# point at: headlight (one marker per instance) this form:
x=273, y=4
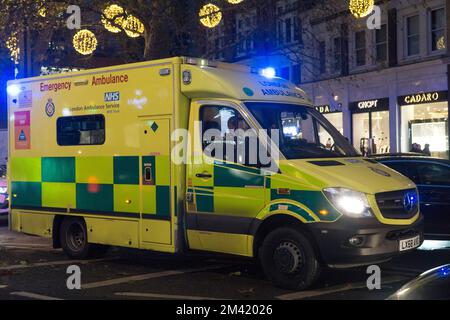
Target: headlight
x=3, y=189
x=349, y=202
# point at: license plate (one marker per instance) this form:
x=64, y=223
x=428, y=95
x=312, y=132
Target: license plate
x=2, y=198
x=409, y=244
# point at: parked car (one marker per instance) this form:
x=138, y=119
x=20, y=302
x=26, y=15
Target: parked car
x=3, y=192
x=432, y=177
x=431, y=285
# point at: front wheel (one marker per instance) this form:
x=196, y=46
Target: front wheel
x=289, y=260
x=74, y=240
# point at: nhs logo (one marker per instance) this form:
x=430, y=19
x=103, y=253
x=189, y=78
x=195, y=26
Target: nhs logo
x=112, y=96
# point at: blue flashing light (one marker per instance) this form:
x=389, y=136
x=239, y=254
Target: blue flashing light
x=269, y=72
x=13, y=90
x=445, y=271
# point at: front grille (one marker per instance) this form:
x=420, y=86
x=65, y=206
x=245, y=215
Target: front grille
x=394, y=205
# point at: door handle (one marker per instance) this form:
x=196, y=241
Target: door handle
x=204, y=175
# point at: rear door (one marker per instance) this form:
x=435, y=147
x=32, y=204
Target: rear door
x=156, y=187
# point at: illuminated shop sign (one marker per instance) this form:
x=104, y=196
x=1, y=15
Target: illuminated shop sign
x=425, y=97
x=370, y=105
x=329, y=109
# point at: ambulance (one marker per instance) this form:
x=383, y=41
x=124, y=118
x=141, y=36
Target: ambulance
x=122, y=156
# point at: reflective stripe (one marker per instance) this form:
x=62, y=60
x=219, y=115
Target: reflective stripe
x=221, y=223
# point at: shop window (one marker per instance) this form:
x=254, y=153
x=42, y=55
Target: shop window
x=381, y=44
x=412, y=35
x=371, y=132
x=360, y=48
x=425, y=124
x=336, y=119
x=438, y=26
x=81, y=130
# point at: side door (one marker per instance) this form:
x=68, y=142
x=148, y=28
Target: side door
x=434, y=188
x=223, y=195
x=155, y=182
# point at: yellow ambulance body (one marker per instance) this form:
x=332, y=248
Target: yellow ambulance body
x=91, y=164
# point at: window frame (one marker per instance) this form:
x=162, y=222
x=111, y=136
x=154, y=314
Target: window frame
x=358, y=49
x=430, y=30
x=80, y=144
x=408, y=36
x=385, y=43
x=337, y=54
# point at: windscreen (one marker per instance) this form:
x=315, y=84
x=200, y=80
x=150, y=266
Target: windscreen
x=303, y=132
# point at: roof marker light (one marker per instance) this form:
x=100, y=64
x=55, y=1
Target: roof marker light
x=268, y=72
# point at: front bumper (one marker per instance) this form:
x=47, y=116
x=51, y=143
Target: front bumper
x=380, y=241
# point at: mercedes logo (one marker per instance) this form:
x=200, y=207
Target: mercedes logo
x=409, y=202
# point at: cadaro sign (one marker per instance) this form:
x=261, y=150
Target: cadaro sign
x=426, y=97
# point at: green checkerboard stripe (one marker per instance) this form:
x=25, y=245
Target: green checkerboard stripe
x=58, y=169
x=91, y=184
x=27, y=194
x=126, y=170
x=314, y=200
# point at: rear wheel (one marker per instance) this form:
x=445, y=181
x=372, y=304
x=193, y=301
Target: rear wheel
x=74, y=240
x=289, y=260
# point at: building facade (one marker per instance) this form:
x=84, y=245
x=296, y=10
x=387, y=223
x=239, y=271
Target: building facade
x=384, y=88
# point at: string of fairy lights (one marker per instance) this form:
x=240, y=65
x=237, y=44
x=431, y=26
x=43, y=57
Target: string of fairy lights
x=115, y=19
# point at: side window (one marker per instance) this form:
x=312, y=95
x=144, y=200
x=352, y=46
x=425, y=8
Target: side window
x=219, y=126
x=434, y=174
x=405, y=169
x=81, y=130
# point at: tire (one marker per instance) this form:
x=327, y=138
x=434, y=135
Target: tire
x=74, y=240
x=289, y=260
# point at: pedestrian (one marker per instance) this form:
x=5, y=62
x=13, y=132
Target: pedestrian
x=426, y=151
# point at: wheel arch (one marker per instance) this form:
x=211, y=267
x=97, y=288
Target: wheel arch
x=278, y=220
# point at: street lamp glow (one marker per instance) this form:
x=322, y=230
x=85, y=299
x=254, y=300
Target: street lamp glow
x=13, y=90
x=268, y=72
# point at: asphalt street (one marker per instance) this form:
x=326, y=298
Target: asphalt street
x=31, y=269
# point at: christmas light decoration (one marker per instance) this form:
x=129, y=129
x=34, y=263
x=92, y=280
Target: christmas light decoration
x=85, y=42
x=235, y=1
x=133, y=26
x=114, y=14
x=361, y=8
x=13, y=46
x=210, y=15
